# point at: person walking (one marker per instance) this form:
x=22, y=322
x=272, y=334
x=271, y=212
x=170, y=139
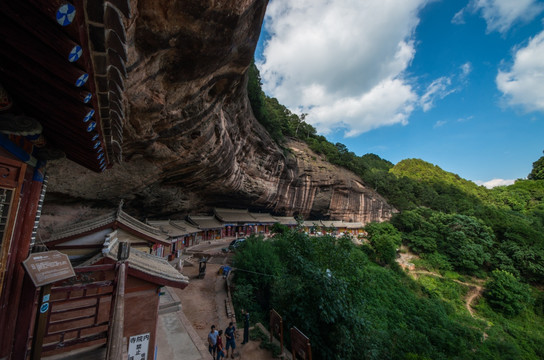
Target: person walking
x=246, y=327
x=231, y=342
x=212, y=341
x=219, y=346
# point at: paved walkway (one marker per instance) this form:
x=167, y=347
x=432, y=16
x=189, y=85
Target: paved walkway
x=184, y=339
x=176, y=338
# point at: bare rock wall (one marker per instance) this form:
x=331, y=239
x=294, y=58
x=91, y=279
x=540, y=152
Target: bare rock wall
x=191, y=141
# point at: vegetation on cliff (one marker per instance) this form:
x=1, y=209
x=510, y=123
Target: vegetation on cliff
x=468, y=240
x=433, y=202
x=353, y=308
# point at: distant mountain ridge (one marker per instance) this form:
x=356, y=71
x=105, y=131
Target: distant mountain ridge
x=421, y=170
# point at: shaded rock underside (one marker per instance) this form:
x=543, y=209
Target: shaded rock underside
x=191, y=142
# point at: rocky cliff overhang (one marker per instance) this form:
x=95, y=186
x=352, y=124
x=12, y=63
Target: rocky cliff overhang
x=191, y=142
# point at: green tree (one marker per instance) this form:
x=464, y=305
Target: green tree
x=278, y=228
x=385, y=249
x=465, y=240
x=538, y=170
x=507, y=294
x=385, y=239
x=257, y=264
x=386, y=229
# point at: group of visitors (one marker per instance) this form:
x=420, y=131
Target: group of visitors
x=215, y=339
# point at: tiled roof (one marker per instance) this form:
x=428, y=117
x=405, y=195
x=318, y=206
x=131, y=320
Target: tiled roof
x=353, y=225
x=332, y=223
x=234, y=216
x=286, y=220
x=82, y=227
x=205, y=222
x=119, y=217
x=184, y=226
x=263, y=218
x=141, y=227
x=166, y=227
x=311, y=223
x=160, y=271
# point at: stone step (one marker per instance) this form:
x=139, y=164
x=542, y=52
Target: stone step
x=168, y=302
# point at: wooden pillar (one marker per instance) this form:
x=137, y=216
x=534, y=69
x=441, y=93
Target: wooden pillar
x=25, y=321
x=41, y=322
x=20, y=247
x=115, y=336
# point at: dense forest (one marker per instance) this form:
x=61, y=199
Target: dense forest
x=354, y=301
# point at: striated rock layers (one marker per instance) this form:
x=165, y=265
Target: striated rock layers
x=191, y=142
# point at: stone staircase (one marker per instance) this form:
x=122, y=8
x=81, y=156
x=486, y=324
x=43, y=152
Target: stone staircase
x=168, y=302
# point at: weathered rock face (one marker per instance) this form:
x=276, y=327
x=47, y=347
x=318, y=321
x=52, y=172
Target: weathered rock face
x=321, y=190
x=191, y=141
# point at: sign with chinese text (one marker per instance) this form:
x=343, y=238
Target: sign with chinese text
x=48, y=267
x=138, y=346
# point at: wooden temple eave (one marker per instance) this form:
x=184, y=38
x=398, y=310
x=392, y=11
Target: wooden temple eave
x=156, y=278
x=114, y=220
x=53, y=244
x=63, y=64
x=143, y=273
x=142, y=265
x=185, y=226
x=81, y=229
x=142, y=234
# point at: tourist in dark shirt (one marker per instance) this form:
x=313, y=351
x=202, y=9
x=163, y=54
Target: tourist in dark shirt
x=246, y=326
x=229, y=336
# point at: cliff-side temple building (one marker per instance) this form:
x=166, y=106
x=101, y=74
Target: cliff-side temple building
x=62, y=73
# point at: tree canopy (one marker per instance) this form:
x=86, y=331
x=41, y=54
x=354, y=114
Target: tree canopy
x=342, y=295
x=538, y=170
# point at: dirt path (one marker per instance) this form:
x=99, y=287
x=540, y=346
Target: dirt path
x=203, y=303
x=474, y=293
x=475, y=288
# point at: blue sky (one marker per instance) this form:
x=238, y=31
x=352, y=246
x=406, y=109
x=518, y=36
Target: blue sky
x=456, y=83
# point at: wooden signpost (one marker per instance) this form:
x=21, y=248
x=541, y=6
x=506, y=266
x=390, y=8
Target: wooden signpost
x=48, y=267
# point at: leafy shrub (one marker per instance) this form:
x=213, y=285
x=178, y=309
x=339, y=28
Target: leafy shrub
x=384, y=239
x=437, y=261
x=506, y=294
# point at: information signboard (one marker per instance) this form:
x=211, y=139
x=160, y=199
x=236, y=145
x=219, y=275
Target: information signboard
x=138, y=346
x=48, y=267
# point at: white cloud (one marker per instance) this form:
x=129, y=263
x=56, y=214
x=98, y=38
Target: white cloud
x=440, y=123
x=342, y=62
x=388, y=103
x=523, y=84
x=465, y=119
x=466, y=69
x=438, y=89
x=500, y=15
x=495, y=182
x=459, y=17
